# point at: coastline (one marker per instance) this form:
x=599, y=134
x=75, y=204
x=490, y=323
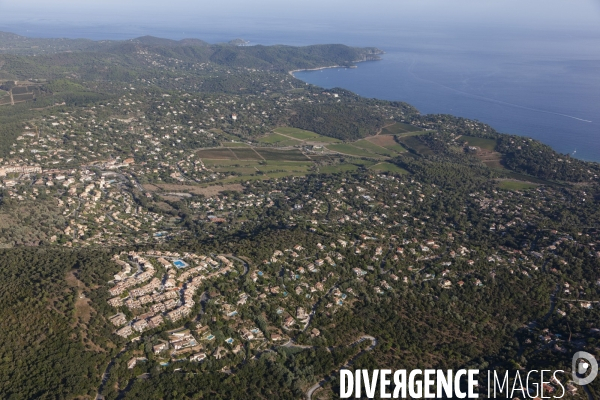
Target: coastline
x=328, y=67
x=527, y=122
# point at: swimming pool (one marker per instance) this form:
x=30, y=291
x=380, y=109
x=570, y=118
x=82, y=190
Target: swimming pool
x=179, y=264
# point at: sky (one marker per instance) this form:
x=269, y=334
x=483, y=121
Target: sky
x=301, y=15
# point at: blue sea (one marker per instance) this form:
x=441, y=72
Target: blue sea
x=544, y=85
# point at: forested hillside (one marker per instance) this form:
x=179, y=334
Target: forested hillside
x=184, y=220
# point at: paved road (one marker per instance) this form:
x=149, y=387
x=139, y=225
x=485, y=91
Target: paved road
x=106, y=374
x=349, y=363
x=244, y=263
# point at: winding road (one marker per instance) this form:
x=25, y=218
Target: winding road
x=106, y=374
x=245, y=264
x=313, y=388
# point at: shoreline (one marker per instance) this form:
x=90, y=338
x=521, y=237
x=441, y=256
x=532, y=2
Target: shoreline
x=328, y=67
x=586, y=158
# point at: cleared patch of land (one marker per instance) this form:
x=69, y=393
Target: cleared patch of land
x=287, y=136
x=234, y=144
x=196, y=189
x=389, y=167
x=414, y=143
x=516, y=185
x=281, y=155
x=246, y=154
x=346, y=148
x=487, y=144
x=332, y=169
x=296, y=133
x=399, y=128
x=373, y=148
x=486, y=152
x=279, y=140
x=218, y=154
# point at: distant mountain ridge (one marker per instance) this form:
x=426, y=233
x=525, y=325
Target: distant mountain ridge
x=194, y=50
x=26, y=58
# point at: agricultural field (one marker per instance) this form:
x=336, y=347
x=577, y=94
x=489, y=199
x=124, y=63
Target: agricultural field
x=370, y=147
x=413, y=142
x=486, y=144
x=373, y=148
x=302, y=135
x=216, y=153
x=246, y=154
x=399, y=128
x=516, y=185
x=210, y=163
x=296, y=133
x=249, y=153
x=234, y=144
x=285, y=166
x=23, y=97
x=389, y=167
x=281, y=155
x=387, y=141
x=349, y=149
x=278, y=140
x=332, y=169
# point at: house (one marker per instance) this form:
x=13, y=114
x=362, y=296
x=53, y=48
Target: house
x=118, y=319
x=301, y=313
x=198, y=357
x=140, y=326
x=246, y=334
x=160, y=348
x=220, y=352
x=289, y=321
x=125, y=331
x=133, y=362
x=187, y=341
x=155, y=321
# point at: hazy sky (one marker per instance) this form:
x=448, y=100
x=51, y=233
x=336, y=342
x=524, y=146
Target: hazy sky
x=241, y=15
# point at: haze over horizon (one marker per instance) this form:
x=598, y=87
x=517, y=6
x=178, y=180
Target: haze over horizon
x=70, y=18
